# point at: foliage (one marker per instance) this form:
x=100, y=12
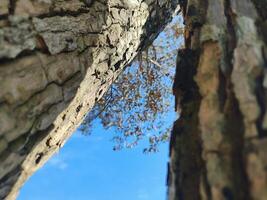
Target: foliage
x=138, y=103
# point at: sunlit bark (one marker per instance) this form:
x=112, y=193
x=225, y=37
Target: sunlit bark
x=57, y=58
x=219, y=144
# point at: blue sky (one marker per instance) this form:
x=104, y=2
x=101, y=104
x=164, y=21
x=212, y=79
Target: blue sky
x=86, y=168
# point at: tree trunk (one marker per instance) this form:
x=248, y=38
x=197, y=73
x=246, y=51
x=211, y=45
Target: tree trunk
x=219, y=144
x=57, y=58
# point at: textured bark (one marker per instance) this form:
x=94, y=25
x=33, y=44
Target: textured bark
x=219, y=143
x=57, y=58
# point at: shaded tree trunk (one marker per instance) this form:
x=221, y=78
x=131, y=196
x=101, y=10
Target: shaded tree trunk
x=57, y=58
x=219, y=144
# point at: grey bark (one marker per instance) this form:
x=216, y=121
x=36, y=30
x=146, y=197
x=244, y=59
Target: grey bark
x=57, y=58
x=219, y=143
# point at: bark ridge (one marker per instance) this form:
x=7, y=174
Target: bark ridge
x=218, y=145
x=57, y=58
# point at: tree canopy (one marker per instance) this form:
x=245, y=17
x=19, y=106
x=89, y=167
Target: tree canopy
x=139, y=104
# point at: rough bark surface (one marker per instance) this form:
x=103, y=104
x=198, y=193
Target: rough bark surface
x=219, y=143
x=57, y=58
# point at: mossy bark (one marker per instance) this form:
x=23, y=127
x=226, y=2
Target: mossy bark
x=219, y=143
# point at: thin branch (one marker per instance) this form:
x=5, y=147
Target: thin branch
x=110, y=99
x=153, y=61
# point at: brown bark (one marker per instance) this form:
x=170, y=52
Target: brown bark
x=219, y=144
x=57, y=58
